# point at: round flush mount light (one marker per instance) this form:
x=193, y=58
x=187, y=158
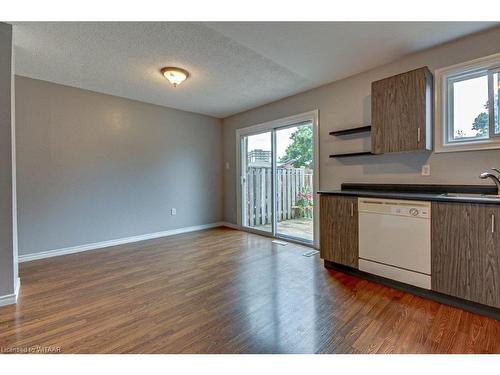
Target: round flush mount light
x=175, y=75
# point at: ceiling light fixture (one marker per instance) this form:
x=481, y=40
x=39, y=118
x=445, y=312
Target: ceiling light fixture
x=175, y=75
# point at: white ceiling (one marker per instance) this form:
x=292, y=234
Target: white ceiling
x=234, y=66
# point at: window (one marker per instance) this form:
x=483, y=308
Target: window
x=467, y=98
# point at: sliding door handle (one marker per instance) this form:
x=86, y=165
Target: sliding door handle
x=352, y=209
x=492, y=223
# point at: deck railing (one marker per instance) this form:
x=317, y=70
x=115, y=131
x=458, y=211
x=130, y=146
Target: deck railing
x=290, y=181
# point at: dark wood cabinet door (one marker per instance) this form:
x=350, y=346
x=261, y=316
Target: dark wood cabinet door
x=484, y=270
x=339, y=229
x=466, y=251
x=402, y=112
x=450, y=248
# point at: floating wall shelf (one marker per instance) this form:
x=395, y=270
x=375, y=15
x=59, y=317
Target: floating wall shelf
x=349, y=154
x=360, y=129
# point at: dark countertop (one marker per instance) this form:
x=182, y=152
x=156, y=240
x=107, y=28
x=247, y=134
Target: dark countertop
x=419, y=192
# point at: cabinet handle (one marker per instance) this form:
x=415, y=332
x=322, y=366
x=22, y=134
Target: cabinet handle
x=352, y=209
x=418, y=135
x=492, y=223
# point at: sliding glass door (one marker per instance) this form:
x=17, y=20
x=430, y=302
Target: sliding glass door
x=277, y=181
x=294, y=182
x=257, y=181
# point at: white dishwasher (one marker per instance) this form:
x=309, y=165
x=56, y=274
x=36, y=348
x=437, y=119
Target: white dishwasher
x=395, y=240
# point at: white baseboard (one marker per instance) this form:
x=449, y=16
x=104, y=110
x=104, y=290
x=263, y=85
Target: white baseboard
x=230, y=225
x=120, y=241
x=11, y=299
x=8, y=299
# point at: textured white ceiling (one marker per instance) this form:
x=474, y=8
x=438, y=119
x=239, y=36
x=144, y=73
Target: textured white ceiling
x=234, y=66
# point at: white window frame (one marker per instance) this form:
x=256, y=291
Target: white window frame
x=442, y=124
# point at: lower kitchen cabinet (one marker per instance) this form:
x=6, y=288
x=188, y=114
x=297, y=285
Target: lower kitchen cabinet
x=466, y=251
x=339, y=229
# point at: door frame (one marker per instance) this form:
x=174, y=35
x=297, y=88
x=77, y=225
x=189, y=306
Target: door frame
x=312, y=116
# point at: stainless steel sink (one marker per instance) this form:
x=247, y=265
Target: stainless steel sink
x=471, y=195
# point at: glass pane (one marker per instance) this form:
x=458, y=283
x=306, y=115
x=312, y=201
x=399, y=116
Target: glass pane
x=470, y=109
x=496, y=100
x=294, y=182
x=257, y=181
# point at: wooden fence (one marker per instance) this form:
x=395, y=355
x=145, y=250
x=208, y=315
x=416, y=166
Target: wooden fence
x=289, y=183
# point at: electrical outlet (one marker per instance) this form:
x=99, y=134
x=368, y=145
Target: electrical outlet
x=426, y=170
x=173, y=211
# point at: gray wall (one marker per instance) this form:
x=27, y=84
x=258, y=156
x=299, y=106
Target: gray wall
x=8, y=266
x=93, y=167
x=346, y=103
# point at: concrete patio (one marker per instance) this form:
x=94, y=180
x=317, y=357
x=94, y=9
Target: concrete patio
x=299, y=228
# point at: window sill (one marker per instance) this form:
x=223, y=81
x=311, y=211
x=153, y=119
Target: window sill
x=476, y=146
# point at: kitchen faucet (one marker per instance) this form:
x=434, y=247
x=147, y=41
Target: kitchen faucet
x=495, y=178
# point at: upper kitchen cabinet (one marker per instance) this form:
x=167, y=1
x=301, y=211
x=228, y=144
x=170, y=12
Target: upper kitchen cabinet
x=402, y=112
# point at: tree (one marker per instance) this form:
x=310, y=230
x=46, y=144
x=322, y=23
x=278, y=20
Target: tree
x=481, y=123
x=300, y=151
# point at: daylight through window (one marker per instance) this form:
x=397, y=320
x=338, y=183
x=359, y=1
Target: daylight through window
x=472, y=104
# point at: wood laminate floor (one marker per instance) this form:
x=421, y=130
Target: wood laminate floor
x=225, y=291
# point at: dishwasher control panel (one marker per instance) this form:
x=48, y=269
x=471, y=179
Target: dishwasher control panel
x=410, y=211
x=417, y=209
